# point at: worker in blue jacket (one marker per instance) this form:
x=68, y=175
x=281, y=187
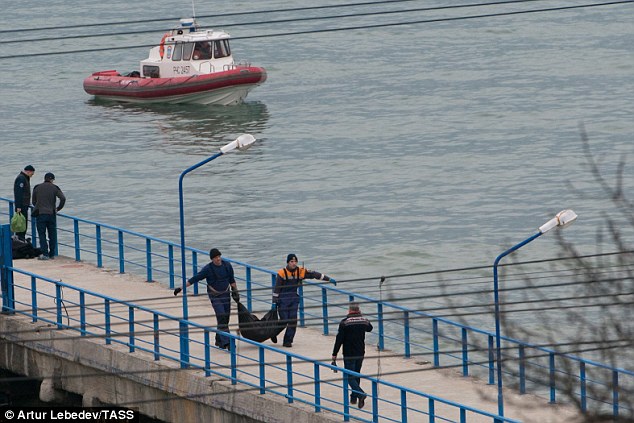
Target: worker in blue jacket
x=219, y=276
x=286, y=294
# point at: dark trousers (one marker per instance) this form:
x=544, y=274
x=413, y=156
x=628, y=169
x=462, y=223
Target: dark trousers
x=288, y=314
x=354, y=364
x=222, y=307
x=47, y=223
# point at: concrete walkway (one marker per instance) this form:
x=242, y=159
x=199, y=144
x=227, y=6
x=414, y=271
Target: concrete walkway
x=448, y=384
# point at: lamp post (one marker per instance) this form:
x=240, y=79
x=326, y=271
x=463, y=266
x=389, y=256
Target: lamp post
x=241, y=143
x=562, y=219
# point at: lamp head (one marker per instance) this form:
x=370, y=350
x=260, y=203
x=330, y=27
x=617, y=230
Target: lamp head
x=563, y=218
x=243, y=142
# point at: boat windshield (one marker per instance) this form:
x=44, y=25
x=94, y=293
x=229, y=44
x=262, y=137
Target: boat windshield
x=182, y=51
x=221, y=49
x=202, y=50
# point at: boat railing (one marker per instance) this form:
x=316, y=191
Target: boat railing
x=240, y=64
x=206, y=67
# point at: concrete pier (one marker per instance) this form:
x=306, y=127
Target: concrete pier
x=110, y=374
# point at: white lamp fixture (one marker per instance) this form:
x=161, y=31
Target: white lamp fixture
x=243, y=142
x=563, y=218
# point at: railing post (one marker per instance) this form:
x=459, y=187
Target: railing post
x=262, y=372
x=82, y=312
x=491, y=362
x=615, y=394
x=170, y=264
x=195, y=269
x=76, y=233
x=465, y=353
x=346, y=397
x=106, y=310
x=302, y=322
x=131, y=328
x=582, y=388
x=208, y=355
x=34, y=298
x=436, y=344
x=157, y=339
x=375, y=401
x=184, y=343
x=289, y=378
x=403, y=406
x=317, y=387
x=248, y=287
x=234, y=360
x=121, y=254
x=6, y=276
x=432, y=410
x=406, y=340
x=148, y=258
x=381, y=327
x=98, y=246
x=552, y=377
x=324, y=309
x=58, y=304
x=522, y=362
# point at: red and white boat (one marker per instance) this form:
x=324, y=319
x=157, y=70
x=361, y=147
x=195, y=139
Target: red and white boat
x=190, y=65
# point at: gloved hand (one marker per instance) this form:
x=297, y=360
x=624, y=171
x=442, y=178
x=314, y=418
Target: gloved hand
x=332, y=281
x=274, y=306
x=235, y=295
x=177, y=290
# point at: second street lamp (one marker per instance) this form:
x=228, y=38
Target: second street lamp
x=561, y=219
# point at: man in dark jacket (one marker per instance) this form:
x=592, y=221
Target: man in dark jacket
x=351, y=335
x=286, y=294
x=45, y=197
x=22, y=195
x=219, y=275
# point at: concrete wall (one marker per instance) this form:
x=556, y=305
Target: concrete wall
x=107, y=374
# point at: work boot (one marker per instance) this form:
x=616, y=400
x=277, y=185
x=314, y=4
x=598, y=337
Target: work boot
x=361, y=402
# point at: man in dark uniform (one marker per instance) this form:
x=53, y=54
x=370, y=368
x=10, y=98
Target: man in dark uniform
x=219, y=276
x=351, y=335
x=286, y=294
x=45, y=197
x=22, y=195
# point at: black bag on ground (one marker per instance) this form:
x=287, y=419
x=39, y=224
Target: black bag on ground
x=259, y=330
x=23, y=249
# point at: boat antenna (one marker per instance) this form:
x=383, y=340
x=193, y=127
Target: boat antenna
x=193, y=10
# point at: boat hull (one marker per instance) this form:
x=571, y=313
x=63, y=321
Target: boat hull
x=223, y=88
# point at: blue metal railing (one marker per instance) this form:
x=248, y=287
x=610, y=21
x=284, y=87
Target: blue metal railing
x=416, y=333
x=273, y=371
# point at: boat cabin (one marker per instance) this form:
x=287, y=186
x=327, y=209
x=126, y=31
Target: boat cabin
x=188, y=51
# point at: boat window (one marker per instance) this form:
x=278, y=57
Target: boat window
x=151, y=71
x=187, y=50
x=202, y=50
x=178, y=50
x=221, y=49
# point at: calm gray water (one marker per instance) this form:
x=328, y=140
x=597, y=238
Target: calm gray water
x=392, y=150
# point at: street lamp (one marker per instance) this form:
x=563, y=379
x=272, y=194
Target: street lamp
x=241, y=143
x=562, y=219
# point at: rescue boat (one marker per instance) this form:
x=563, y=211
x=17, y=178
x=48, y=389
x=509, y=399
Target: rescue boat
x=190, y=65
